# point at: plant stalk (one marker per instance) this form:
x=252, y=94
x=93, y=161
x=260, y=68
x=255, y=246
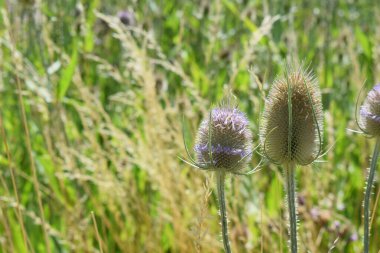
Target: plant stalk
x=290, y=189
x=223, y=212
x=367, y=197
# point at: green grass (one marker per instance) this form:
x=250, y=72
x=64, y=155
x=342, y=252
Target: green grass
x=104, y=104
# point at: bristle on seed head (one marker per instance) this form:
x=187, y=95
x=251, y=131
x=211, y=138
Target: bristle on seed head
x=224, y=138
x=370, y=112
x=292, y=121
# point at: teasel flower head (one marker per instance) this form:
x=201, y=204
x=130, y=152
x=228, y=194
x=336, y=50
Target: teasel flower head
x=291, y=129
x=370, y=113
x=223, y=144
x=224, y=139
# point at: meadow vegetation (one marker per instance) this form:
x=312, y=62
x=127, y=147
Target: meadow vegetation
x=92, y=99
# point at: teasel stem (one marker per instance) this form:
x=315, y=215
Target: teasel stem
x=367, y=197
x=222, y=209
x=290, y=188
x=290, y=178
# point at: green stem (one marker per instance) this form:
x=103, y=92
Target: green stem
x=292, y=207
x=367, y=197
x=223, y=213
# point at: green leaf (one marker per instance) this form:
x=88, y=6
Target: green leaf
x=68, y=73
x=248, y=23
x=364, y=42
x=90, y=21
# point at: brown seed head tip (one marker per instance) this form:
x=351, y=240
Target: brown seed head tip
x=224, y=139
x=370, y=112
x=293, y=137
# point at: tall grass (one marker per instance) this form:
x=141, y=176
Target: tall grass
x=103, y=105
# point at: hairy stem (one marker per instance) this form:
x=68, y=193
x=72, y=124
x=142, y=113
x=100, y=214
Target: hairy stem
x=367, y=197
x=290, y=188
x=223, y=212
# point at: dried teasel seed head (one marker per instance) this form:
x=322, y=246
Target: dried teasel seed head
x=293, y=137
x=224, y=139
x=370, y=112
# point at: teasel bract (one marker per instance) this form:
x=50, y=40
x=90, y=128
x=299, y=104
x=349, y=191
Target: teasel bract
x=223, y=145
x=291, y=130
x=369, y=123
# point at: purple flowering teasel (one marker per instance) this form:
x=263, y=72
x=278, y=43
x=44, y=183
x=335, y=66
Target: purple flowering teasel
x=369, y=123
x=370, y=113
x=223, y=145
x=224, y=140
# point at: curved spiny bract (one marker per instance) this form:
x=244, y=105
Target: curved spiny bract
x=293, y=138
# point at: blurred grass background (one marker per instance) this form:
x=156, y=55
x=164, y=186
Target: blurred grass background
x=92, y=98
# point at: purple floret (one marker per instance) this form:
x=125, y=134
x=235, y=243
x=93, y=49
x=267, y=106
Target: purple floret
x=219, y=149
x=377, y=88
x=232, y=117
x=366, y=114
x=354, y=237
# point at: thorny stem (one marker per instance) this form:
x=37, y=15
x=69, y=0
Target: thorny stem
x=290, y=188
x=222, y=208
x=367, y=197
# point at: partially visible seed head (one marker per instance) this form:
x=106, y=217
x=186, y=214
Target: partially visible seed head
x=370, y=112
x=228, y=130
x=127, y=17
x=293, y=137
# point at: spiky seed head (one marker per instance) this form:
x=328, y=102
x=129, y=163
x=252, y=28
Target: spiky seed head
x=225, y=137
x=293, y=137
x=370, y=112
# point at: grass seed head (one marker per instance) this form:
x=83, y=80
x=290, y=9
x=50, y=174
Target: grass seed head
x=370, y=112
x=293, y=137
x=224, y=134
